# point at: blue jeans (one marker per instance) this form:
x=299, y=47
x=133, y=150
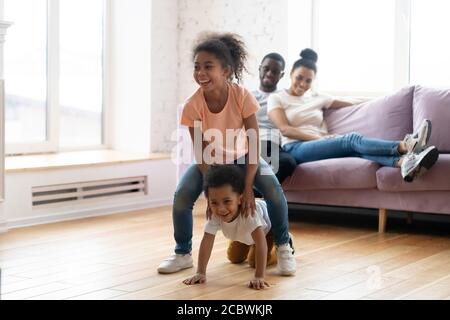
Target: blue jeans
x=190, y=187
x=350, y=145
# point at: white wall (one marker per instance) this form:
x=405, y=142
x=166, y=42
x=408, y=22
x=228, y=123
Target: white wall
x=299, y=29
x=130, y=75
x=143, y=64
x=262, y=24
x=164, y=74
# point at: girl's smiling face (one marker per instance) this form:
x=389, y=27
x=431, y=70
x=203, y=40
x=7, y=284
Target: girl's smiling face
x=209, y=72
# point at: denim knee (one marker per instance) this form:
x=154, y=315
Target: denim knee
x=353, y=136
x=351, y=139
x=275, y=194
x=182, y=200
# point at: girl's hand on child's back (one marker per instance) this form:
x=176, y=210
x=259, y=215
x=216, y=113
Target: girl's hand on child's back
x=208, y=212
x=195, y=279
x=258, y=284
x=248, y=203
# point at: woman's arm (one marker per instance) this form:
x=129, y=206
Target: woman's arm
x=279, y=119
x=338, y=104
x=252, y=130
x=260, y=259
x=203, y=257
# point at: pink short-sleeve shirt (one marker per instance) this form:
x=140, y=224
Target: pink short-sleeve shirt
x=224, y=130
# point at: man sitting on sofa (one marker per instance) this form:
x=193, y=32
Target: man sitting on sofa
x=271, y=71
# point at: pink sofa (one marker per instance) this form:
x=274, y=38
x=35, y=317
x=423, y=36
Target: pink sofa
x=356, y=182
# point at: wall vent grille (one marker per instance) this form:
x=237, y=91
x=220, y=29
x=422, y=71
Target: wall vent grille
x=67, y=193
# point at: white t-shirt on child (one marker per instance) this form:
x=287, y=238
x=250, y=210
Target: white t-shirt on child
x=241, y=228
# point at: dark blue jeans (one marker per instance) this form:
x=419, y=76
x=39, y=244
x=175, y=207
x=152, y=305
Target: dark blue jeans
x=190, y=187
x=282, y=162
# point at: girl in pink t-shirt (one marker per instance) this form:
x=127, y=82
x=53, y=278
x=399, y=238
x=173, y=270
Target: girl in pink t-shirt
x=223, y=127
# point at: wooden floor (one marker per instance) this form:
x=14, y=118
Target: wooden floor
x=115, y=257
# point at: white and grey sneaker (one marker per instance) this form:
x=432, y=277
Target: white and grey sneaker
x=414, y=165
x=417, y=142
x=286, y=264
x=176, y=263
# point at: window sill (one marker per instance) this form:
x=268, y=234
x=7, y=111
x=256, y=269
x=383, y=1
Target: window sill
x=76, y=160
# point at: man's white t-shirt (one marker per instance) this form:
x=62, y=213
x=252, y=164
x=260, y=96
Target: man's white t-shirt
x=267, y=130
x=241, y=228
x=305, y=112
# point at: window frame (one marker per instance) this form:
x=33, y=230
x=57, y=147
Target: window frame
x=51, y=144
x=402, y=36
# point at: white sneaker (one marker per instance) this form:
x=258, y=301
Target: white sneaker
x=176, y=263
x=286, y=263
x=417, y=142
x=414, y=165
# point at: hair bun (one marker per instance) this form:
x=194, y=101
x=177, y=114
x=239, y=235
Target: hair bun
x=309, y=54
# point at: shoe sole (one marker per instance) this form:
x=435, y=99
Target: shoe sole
x=421, y=172
x=286, y=273
x=165, y=271
x=427, y=138
x=428, y=132
x=424, y=165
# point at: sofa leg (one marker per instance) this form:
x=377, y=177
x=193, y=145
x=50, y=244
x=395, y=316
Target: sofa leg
x=409, y=217
x=382, y=217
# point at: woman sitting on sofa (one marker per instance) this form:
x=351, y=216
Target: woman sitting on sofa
x=299, y=117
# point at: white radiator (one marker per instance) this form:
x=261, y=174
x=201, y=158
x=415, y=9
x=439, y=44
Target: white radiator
x=82, y=191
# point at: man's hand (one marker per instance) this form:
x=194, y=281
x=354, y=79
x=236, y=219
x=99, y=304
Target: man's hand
x=195, y=279
x=258, y=284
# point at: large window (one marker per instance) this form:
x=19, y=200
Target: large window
x=372, y=47
x=355, y=42
x=25, y=67
x=81, y=82
x=54, y=75
x=430, y=51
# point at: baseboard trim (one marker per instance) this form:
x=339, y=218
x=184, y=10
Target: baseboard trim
x=84, y=213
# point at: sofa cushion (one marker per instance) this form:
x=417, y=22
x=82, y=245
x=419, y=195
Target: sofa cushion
x=388, y=117
x=433, y=104
x=343, y=173
x=436, y=179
